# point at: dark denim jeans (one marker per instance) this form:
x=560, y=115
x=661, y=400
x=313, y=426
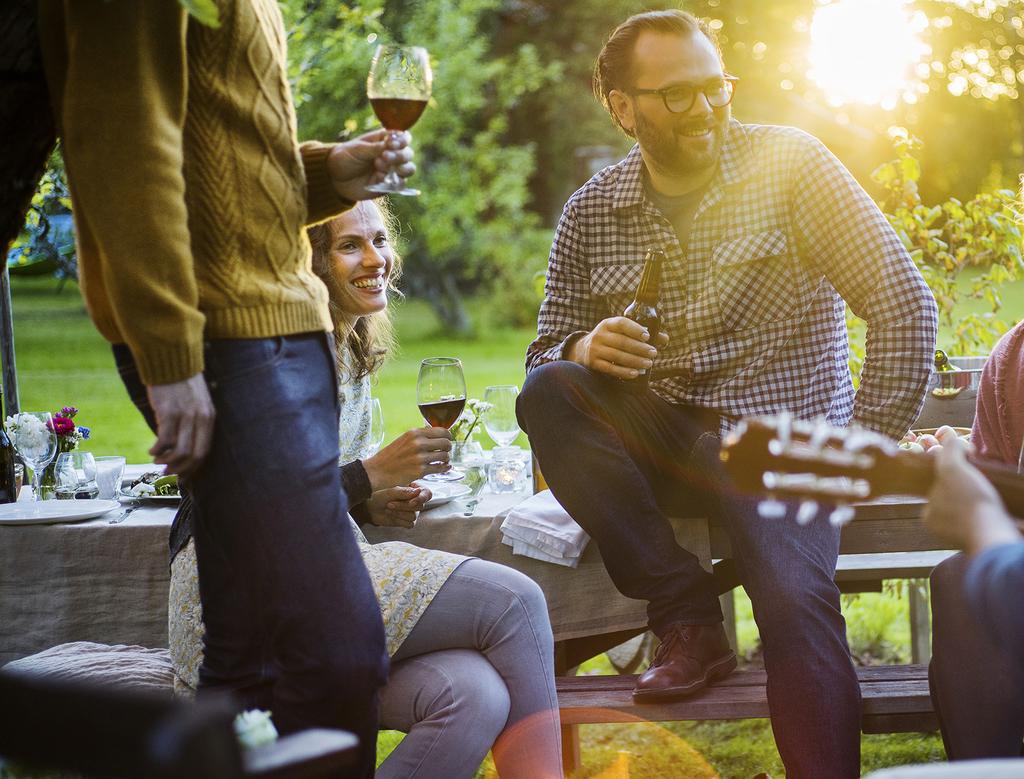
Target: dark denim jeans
x=618, y=460
x=292, y=623
x=977, y=685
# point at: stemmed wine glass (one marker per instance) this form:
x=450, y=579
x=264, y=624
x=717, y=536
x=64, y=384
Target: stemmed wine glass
x=32, y=434
x=376, y=440
x=500, y=419
x=441, y=396
x=398, y=87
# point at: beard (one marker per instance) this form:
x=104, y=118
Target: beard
x=675, y=154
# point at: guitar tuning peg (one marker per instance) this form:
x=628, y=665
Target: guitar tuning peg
x=820, y=433
x=784, y=428
x=841, y=514
x=769, y=508
x=808, y=510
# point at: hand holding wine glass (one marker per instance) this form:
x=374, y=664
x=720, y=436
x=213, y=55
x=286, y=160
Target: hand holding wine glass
x=399, y=87
x=441, y=396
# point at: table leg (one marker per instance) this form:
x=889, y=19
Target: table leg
x=571, y=760
x=728, y=601
x=920, y=625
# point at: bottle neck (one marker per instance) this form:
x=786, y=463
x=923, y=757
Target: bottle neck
x=650, y=283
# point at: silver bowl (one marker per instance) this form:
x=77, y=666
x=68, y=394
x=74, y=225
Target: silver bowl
x=952, y=395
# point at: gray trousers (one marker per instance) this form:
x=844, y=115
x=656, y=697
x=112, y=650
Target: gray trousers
x=476, y=674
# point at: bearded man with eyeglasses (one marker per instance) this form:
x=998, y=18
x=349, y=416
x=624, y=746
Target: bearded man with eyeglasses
x=767, y=237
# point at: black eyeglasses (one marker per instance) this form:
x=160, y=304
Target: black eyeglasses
x=679, y=98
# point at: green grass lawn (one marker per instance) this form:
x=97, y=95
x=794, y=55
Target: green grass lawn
x=61, y=361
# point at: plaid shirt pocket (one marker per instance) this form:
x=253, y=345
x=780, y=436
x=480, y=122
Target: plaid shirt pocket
x=756, y=280
x=616, y=285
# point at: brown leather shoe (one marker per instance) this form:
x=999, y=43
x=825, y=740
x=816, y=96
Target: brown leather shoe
x=690, y=657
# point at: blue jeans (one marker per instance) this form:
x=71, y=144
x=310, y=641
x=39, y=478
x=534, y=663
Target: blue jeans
x=977, y=684
x=292, y=623
x=619, y=460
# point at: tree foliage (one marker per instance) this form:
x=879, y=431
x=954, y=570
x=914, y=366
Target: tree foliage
x=47, y=242
x=471, y=227
x=945, y=239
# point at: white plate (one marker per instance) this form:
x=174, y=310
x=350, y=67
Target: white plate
x=50, y=512
x=444, y=492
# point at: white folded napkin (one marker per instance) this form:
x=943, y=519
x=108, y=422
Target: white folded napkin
x=540, y=528
x=525, y=550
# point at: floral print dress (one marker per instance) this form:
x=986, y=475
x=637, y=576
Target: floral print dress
x=405, y=577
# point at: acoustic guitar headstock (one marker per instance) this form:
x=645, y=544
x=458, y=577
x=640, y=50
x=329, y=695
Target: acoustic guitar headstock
x=785, y=458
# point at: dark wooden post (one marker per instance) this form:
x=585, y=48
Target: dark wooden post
x=10, y=371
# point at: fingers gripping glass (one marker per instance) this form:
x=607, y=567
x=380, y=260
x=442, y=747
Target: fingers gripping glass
x=679, y=98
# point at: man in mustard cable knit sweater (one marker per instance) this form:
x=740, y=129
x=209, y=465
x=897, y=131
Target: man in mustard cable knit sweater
x=191, y=196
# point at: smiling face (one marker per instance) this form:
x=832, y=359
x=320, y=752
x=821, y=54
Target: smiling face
x=360, y=260
x=674, y=145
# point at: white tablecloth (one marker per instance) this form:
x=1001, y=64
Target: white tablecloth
x=92, y=581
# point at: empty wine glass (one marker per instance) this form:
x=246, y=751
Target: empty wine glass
x=376, y=440
x=441, y=396
x=32, y=434
x=398, y=87
x=500, y=419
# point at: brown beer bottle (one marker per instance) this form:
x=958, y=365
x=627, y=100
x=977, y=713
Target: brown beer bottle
x=644, y=308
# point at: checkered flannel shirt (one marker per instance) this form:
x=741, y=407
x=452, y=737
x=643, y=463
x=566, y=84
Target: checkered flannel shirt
x=754, y=311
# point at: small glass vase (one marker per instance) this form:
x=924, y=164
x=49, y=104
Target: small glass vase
x=48, y=482
x=466, y=451
x=48, y=478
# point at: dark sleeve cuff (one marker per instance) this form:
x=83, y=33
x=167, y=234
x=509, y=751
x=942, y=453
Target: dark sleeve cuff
x=361, y=513
x=356, y=484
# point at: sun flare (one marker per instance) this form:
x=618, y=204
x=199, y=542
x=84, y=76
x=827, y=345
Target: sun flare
x=867, y=51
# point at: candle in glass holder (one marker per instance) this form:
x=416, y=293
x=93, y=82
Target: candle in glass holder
x=507, y=471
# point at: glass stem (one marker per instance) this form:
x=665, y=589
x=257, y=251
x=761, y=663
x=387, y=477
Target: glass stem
x=36, y=489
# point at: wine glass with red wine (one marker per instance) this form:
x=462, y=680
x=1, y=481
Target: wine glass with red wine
x=441, y=396
x=398, y=87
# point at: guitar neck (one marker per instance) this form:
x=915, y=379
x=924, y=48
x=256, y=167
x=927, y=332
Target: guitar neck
x=1008, y=483
x=917, y=475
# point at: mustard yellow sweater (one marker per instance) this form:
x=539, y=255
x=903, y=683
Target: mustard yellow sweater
x=190, y=192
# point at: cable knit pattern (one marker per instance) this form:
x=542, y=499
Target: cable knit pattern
x=189, y=187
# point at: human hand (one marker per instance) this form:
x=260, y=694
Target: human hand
x=963, y=508
x=412, y=455
x=184, y=423
x=397, y=506
x=354, y=164
x=618, y=347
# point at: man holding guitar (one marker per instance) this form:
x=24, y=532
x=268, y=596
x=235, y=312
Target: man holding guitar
x=765, y=235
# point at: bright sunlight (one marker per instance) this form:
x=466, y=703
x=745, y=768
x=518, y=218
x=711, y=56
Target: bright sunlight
x=867, y=51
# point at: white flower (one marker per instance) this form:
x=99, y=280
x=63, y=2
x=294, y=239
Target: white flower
x=254, y=728
x=29, y=435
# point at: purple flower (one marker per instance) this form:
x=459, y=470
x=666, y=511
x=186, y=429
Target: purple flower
x=84, y=431
x=69, y=412
x=63, y=426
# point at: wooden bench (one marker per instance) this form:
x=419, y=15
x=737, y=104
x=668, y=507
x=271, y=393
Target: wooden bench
x=895, y=699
